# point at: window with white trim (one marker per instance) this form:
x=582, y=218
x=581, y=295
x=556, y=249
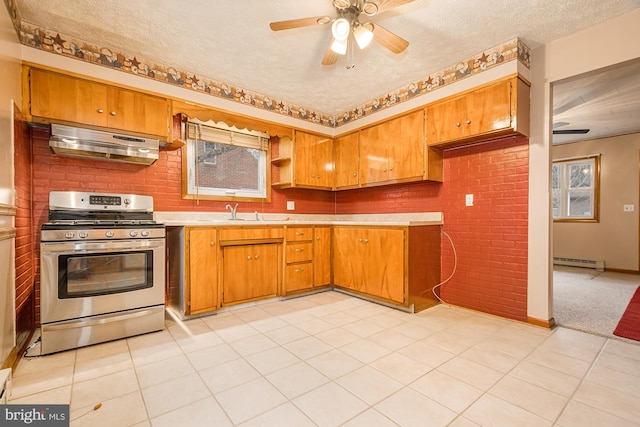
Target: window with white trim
x=575, y=186
x=223, y=162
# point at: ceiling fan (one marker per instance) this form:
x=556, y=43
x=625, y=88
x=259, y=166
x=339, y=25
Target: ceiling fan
x=348, y=22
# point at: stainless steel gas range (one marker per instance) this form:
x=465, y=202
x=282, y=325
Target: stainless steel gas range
x=102, y=274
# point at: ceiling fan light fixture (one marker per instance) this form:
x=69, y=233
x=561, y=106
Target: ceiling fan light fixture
x=363, y=36
x=323, y=20
x=340, y=29
x=339, y=46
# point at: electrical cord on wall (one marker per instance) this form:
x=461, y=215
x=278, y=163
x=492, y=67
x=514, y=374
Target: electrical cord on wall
x=455, y=266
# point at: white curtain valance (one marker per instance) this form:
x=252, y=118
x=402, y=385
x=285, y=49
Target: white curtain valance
x=222, y=133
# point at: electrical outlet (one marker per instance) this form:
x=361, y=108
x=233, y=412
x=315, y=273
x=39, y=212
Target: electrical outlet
x=291, y=206
x=468, y=200
x=629, y=208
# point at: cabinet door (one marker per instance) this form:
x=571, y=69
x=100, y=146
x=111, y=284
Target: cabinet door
x=406, y=146
x=444, y=120
x=488, y=109
x=203, y=271
x=249, y=271
x=313, y=160
x=346, y=161
x=384, y=264
x=59, y=97
x=348, y=257
x=138, y=112
x=373, y=154
x=322, y=256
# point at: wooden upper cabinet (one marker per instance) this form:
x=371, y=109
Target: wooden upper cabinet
x=347, y=161
x=137, y=111
x=393, y=150
x=406, y=147
x=56, y=97
x=202, y=270
x=490, y=111
x=313, y=160
x=64, y=98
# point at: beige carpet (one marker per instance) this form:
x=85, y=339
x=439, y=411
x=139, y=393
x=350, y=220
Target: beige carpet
x=590, y=301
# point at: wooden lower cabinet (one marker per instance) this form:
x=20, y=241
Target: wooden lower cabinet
x=307, y=258
x=399, y=265
x=202, y=270
x=321, y=256
x=370, y=261
x=250, y=272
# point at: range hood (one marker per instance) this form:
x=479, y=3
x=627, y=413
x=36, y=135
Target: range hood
x=80, y=142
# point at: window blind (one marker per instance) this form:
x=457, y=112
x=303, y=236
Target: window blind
x=224, y=134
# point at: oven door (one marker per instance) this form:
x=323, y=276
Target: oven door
x=88, y=278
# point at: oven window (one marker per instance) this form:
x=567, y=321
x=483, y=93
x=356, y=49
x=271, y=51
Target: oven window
x=95, y=274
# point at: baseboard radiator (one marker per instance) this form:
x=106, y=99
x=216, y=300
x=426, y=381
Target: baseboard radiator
x=584, y=263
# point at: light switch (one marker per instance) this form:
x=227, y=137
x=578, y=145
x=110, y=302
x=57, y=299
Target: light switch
x=629, y=208
x=291, y=205
x=468, y=200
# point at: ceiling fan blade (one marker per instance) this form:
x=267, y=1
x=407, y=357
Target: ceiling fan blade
x=384, y=5
x=298, y=23
x=330, y=57
x=386, y=38
x=571, y=131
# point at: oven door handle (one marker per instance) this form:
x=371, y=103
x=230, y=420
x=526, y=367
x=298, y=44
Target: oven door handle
x=48, y=248
x=101, y=320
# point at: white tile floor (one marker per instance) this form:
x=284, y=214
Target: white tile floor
x=333, y=360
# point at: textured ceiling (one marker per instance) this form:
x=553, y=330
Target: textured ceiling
x=606, y=102
x=230, y=40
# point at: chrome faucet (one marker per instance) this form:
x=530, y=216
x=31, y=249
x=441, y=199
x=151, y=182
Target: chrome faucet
x=233, y=210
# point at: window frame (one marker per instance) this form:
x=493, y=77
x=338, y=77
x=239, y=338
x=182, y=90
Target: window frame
x=193, y=192
x=565, y=190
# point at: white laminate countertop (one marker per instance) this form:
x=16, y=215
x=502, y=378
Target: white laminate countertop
x=248, y=219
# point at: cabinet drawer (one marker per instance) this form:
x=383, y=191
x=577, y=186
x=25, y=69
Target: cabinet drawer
x=251, y=233
x=299, y=233
x=298, y=276
x=298, y=252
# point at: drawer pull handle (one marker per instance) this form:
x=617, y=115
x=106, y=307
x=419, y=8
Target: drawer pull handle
x=249, y=258
x=299, y=270
x=299, y=233
x=299, y=249
x=257, y=256
x=458, y=124
x=355, y=174
x=213, y=243
x=468, y=122
x=318, y=238
x=113, y=113
x=100, y=110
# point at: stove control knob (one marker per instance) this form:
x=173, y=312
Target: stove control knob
x=144, y=233
x=109, y=234
x=133, y=233
x=127, y=202
x=83, y=234
x=69, y=234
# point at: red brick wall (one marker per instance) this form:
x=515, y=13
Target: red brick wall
x=490, y=237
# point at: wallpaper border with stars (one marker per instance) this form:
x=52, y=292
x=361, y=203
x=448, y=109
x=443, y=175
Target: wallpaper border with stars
x=60, y=44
